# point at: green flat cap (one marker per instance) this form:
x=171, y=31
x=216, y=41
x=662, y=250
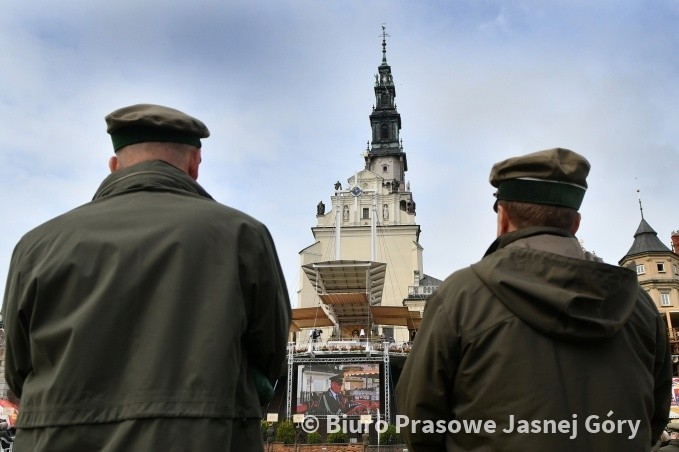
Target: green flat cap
x=556, y=177
x=147, y=122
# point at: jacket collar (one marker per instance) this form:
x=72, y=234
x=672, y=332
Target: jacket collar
x=154, y=175
x=510, y=237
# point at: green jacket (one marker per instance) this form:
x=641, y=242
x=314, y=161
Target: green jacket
x=535, y=332
x=153, y=300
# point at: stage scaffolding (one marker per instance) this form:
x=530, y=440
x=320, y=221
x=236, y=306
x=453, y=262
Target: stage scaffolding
x=350, y=294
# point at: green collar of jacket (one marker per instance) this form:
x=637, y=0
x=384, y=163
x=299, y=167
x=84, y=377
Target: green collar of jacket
x=151, y=175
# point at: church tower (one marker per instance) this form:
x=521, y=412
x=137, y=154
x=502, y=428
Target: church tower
x=385, y=156
x=657, y=268
x=370, y=228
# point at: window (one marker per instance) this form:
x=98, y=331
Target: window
x=384, y=132
x=665, y=299
x=640, y=269
x=366, y=213
x=385, y=168
x=660, y=266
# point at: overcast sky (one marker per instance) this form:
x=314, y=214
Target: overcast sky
x=286, y=88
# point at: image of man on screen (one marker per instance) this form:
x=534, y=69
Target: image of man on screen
x=333, y=401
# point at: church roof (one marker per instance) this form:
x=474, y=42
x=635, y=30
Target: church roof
x=646, y=241
x=430, y=281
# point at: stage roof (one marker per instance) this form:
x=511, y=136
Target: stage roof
x=381, y=315
x=348, y=276
x=396, y=315
x=351, y=292
x=309, y=318
x=348, y=287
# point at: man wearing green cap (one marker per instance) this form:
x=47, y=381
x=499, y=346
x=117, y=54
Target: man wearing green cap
x=540, y=345
x=333, y=400
x=146, y=319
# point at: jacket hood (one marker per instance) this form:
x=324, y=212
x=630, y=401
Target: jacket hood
x=564, y=297
x=149, y=175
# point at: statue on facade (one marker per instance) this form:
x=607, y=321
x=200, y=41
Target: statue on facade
x=320, y=209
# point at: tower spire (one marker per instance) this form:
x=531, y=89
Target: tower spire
x=384, y=43
x=641, y=207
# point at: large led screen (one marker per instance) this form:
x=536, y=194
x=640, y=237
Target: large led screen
x=350, y=389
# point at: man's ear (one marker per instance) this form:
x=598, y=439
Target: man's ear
x=194, y=164
x=113, y=164
x=503, y=224
x=576, y=224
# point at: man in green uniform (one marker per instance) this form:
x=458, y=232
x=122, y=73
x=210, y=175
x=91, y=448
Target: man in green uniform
x=540, y=346
x=146, y=319
x=333, y=401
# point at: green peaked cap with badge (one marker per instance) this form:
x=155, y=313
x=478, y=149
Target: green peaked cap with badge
x=148, y=122
x=556, y=177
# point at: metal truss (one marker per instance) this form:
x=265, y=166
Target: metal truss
x=346, y=359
